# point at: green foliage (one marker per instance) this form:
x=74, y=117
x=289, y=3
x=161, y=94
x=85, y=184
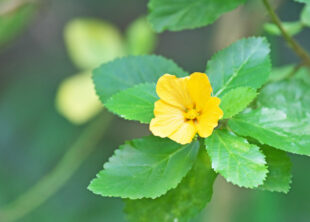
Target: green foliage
x=177, y=15
x=274, y=128
x=140, y=38
x=244, y=63
x=305, y=15
x=127, y=72
x=279, y=166
x=292, y=28
x=237, y=100
x=180, y=204
x=235, y=159
x=146, y=167
x=91, y=42
x=290, y=96
x=136, y=103
x=13, y=23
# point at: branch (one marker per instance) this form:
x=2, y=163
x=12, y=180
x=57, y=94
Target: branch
x=57, y=178
x=291, y=42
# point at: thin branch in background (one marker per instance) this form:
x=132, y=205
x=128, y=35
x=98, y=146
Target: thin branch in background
x=63, y=171
x=303, y=54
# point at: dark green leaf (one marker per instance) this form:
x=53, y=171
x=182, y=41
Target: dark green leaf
x=146, y=167
x=180, y=204
x=274, y=128
x=279, y=167
x=177, y=15
x=235, y=159
x=237, y=100
x=127, y=72
x=136, y=103
x=244, y=63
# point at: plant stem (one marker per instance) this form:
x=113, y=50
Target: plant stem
x=67, y=166
x=289, y=39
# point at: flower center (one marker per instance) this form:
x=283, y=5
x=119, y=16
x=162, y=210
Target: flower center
x=191, y=114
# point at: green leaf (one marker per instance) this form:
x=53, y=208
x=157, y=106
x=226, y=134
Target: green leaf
x=280, y=73
x=244, y=63
x=304, y=75
x=290, y=96
x=136, y=103
x=292, y=28
x=140, y=37
x=274, y=128
x=236, y=100
x=305, y=15
x=236, y=160
x=279, y=166
x=146, y=167
x=91, y=42
x=177, y=15
x=303, y=1
x=180, y=204
x=12, y=24
x=127, y=72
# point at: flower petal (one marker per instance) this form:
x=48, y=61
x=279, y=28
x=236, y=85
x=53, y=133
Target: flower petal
x=199, y=88
x=167, y=119
x=185, y=133
x=174, y=91
x=209, y=118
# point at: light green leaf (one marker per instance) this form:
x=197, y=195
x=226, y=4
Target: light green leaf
x=279, y=167
x=280, y=73
x=127, y=72
x=236, y=160
x=180, y=204
x=91, y=42
x=140, y=37
x=76, y=98
x=303, y=1
x=292, y=28
x=274, y=128
x=244, y=63
x=136, y=103
x=177, y=15
x=305, y=15
x=146, y=167
x=237, y=100
x=290, y=96
x=304, y=75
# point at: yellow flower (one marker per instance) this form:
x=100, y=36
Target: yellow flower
x=185, y=107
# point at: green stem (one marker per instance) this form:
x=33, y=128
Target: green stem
x=67, y=166
x=289, y=39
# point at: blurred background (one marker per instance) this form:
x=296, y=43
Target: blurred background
x=47, y=105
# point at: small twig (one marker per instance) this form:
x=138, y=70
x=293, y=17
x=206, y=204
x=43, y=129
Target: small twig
x=49, y=184
x=289, y=39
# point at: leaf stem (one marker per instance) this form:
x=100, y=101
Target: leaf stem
x=303, y=54
x=63, y=171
